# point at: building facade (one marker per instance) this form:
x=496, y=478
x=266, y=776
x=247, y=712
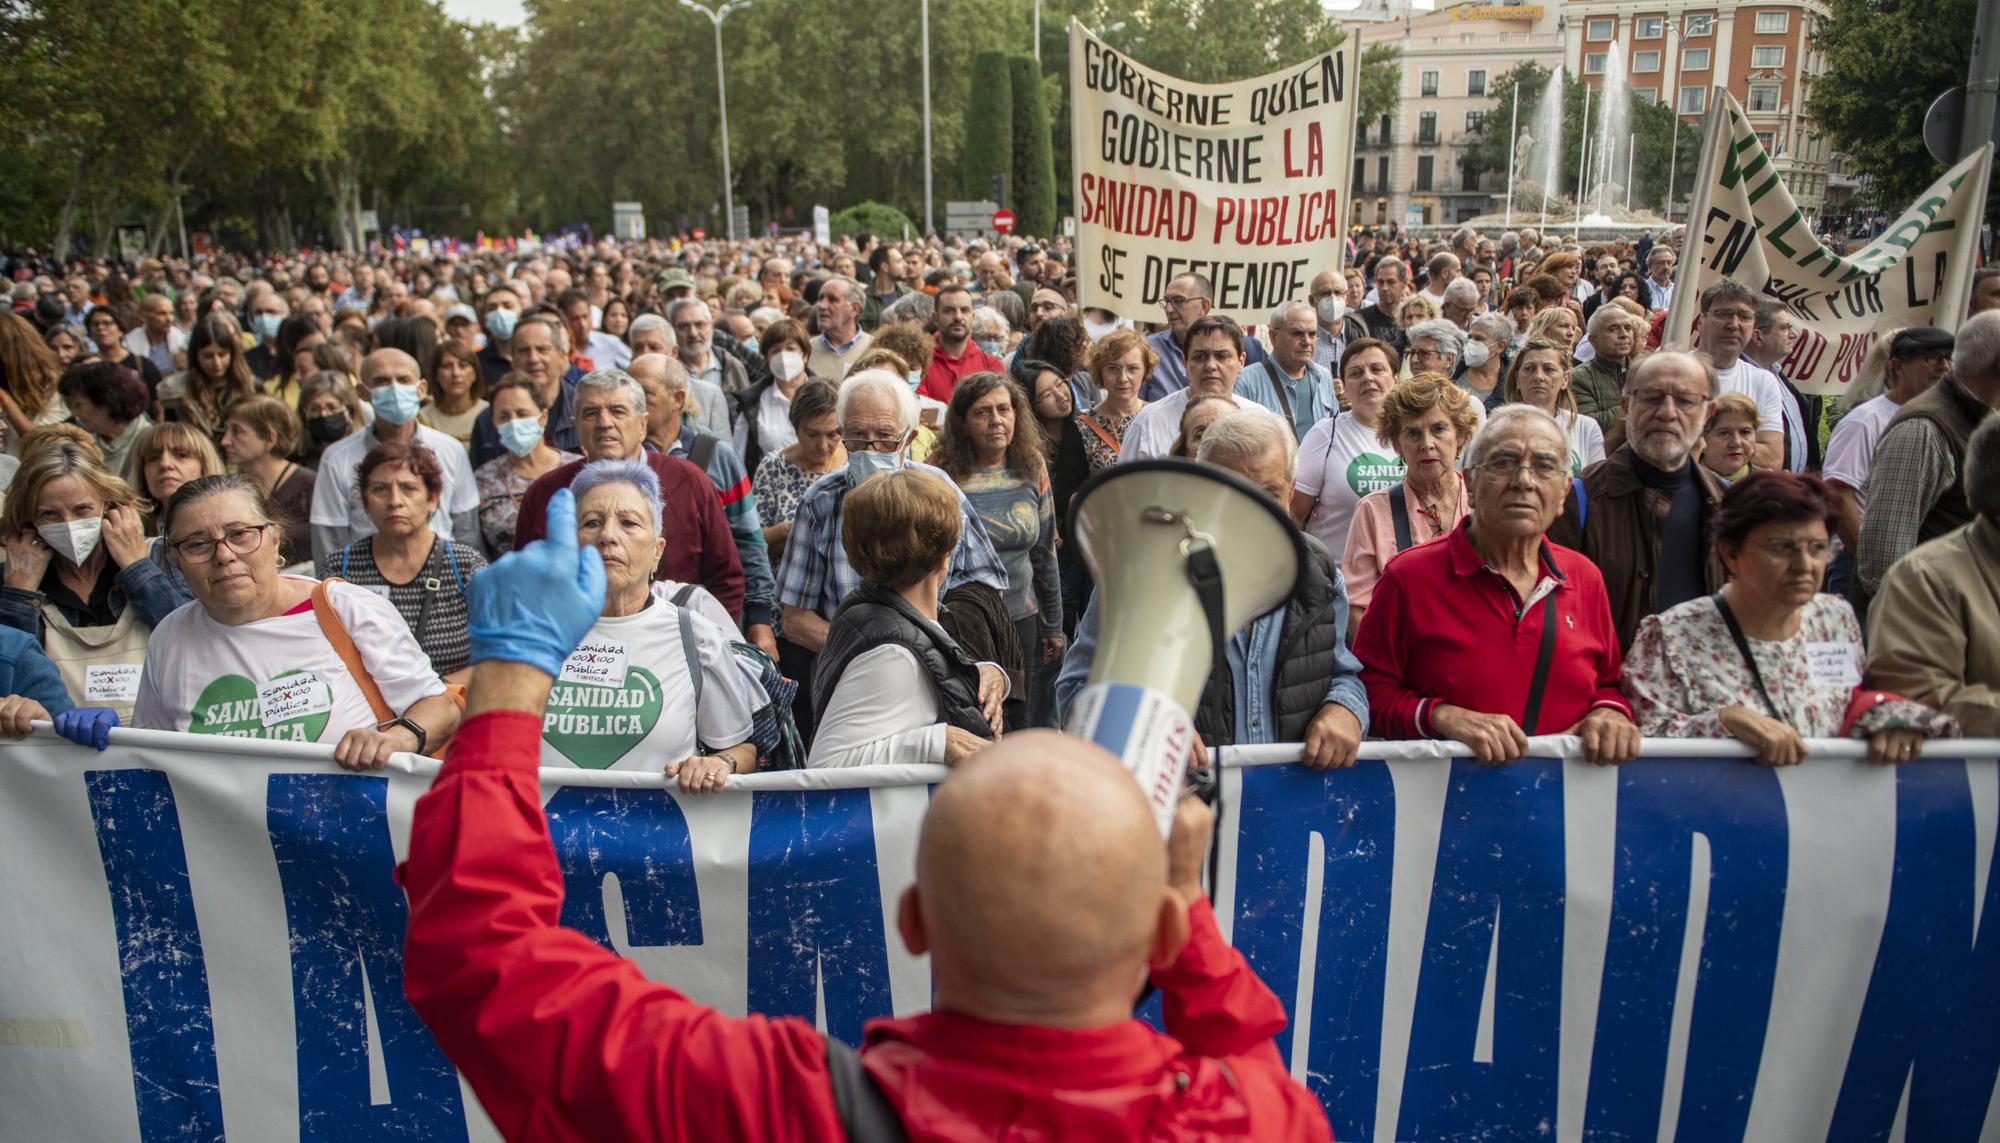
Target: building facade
x=1406, y=163
x=1680, y=50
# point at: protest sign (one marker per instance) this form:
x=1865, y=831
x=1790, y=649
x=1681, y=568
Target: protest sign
x=1244, y=183
x=203, y=940
x=1744, y=225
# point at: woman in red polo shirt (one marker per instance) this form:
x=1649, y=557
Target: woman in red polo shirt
x=1494, y=633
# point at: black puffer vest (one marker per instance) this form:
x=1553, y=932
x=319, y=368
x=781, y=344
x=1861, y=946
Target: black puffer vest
x=872, y=617
x=1306, y=645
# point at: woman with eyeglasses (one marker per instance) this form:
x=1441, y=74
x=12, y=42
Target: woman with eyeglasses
x=1770, y=660
x=267, y=655
x=1541, y=377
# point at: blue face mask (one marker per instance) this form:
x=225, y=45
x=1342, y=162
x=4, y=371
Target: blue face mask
x=989, y=344
x=265, y=326
x=749, y=343
x=395, y=404
x=500, y=323
x=863, y=464
x=520, y=435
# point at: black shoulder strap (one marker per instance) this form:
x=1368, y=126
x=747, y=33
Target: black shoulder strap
x=865, y=1113
x=683, y=593
x=1532, y=713
x=1743, y=648
x=1399, y=513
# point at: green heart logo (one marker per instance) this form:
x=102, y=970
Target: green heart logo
x=228, y=706
x=594, y=727
x=1372, y=472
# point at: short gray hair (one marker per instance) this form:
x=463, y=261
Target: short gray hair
x=1246, y=434
x=1401, y=267
x=917, y=307
x=1450, y=339
x=878, y=381
x=1503, y=420
x=1976, y=351
x=990, y=322
x=614, y=379
x=1496, y=326
x=853, y=291
x=1464, y=291
x=1285, y=309
x=675, y=307
x=1603, y=316
x=649, y=323
x=1982, y=469
x=635, y=472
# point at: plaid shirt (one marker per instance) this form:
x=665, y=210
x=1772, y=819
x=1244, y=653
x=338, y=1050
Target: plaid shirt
x=1913, y=467
x=815, y=575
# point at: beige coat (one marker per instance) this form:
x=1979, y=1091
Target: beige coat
x=1934, y=628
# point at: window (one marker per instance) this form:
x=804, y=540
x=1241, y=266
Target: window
x=1382, y=175
x=1764, y=139
x=1763, y=97
x=1645, y=61
x=1429, y=84
x=1425, y=168
x=1475, y=121
x=1646, y=94
x=1773, y=23
x=1599, y=29
x=1427, y=127
x=1361, y=134
x=1694, y=100
x=1475, y=82
x=1698, y=26
x=1647, y=28
x=1384, y=132
x=1767, y=57
x=1694, y=59
x=1593, y=63
x=1360, y=176
x=1468, y=179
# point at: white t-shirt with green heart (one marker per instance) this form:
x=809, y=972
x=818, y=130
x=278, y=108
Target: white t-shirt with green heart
x=625, y=700
x=279, y=678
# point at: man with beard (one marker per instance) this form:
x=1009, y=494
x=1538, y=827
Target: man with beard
x=1187, y=301
x=955, y=356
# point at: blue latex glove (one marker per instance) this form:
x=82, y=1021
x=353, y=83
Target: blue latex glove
x=87, y=725
x=535, y=605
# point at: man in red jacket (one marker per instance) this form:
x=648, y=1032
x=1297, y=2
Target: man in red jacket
x=1043, y=896
x=611, y=425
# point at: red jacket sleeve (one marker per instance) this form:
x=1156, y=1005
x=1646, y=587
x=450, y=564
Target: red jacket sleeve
x=560, y=1038
x=1394, y=709
x=532, y=518
x=1213, y=1003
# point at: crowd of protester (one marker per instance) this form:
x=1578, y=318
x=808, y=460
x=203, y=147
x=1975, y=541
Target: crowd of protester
x=831, y=486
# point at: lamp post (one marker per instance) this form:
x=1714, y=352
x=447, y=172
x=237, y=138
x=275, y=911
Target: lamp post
x=1673, y=62
x=930, y=226
x=716, y=16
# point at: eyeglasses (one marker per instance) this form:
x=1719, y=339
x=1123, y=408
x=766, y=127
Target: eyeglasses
x=1175, y=301
x=1658, y=398
x=1785, y=551
x=1541, y=468
x=242, y=540
x=872, y=444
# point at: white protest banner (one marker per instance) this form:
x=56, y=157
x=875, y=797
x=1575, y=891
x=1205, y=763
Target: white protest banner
x=1744, y=225
x=1244, y=183
x=200, y=938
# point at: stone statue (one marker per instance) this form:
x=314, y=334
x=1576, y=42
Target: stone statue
x=1524, y=150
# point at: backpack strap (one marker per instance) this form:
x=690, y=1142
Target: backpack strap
x=451, y=555
x=1399, y=514
x=1582, y=502
x=343, y=646
x=682, y=594
x=690, y=648
x=865, y=1113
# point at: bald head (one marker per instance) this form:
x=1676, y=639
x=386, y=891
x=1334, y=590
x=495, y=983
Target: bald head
x=1041, y=884
x=389, y=367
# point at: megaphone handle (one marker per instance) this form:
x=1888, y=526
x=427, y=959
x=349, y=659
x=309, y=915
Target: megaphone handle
x=1205, y=576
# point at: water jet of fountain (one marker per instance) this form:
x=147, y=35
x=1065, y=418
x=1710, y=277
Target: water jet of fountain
x=1547, y=128
x=1614, y=117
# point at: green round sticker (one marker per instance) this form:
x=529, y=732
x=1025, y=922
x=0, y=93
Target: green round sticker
x=228, y=706
x=596, y=726
x=1372, y=472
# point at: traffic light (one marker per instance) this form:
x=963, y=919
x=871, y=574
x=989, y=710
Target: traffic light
x=1000, y=190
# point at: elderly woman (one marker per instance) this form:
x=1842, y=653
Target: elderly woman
x=891, y=685
x=267, y=655
x=521, y=417
x=328, y=410
x=989, y=447
x=783, y=477
x=423, y=575
x=110, y=401
x=1730, y=437
x=763, y=412
x=1417, y=309
x=81, y=576
x=1769, y=660
x=1496, y=634
x=1203, y=410
x=1120, y=362
x=1432, y=347
x=1341, y=460
x=1556, y=324
x=1428, y=421
x=1541, y=377
x=991, y=331
x=1482, y=364
x=652, y=687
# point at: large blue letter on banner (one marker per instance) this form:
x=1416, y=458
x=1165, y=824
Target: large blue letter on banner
x=330, y=835
x=816, y=909
x=1499, y=862
x=1352, y=813
x=160, y=960
x=1663, y=807
x=642, y=837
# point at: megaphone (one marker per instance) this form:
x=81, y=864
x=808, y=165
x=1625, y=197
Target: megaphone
x=1184, y=555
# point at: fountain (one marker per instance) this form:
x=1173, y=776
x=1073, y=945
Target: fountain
x=1606, y=144
x=1543, y=162
x=1613, y=123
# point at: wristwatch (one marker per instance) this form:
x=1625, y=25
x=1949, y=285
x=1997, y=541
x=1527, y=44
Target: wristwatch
x=423, y=739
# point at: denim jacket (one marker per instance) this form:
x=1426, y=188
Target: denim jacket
x=151, y=585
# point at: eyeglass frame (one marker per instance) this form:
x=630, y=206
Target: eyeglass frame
x=180, y=546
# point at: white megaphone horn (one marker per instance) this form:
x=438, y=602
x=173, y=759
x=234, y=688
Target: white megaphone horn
x=1185, y=555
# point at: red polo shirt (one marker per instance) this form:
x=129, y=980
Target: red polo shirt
x=1443, y=627
x=943, y=374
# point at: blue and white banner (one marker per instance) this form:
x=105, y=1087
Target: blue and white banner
x=201, y=939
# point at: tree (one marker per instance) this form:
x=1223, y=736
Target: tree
x=1381, y=81
x=1034, y=189
x=871, y=218
x=989, y=127
x=1886, y=61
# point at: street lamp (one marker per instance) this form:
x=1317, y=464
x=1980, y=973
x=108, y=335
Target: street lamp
x=716, y=16
x=1673, y=63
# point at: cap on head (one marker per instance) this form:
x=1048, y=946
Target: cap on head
x=1919, y=340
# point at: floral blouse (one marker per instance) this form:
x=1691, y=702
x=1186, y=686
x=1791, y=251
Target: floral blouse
x=500, y=491
x=779, y=486
x=1684, y=668
x=1101, y=454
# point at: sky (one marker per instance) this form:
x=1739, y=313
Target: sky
x=508, y=12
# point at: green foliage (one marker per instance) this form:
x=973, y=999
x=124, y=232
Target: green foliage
x=989, y=126
x=1381, y=81
x=1491, y=148
x=872, y=218
x=1886, y=61
x=1034, y=190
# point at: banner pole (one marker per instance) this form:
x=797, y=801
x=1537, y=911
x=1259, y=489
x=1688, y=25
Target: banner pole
x=1674, y=334
x=1956, y=293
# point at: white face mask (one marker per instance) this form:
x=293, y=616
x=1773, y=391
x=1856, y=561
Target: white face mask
x=788, y=365
x=73, y=540
x=1476, y=353
x=1329, y=309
